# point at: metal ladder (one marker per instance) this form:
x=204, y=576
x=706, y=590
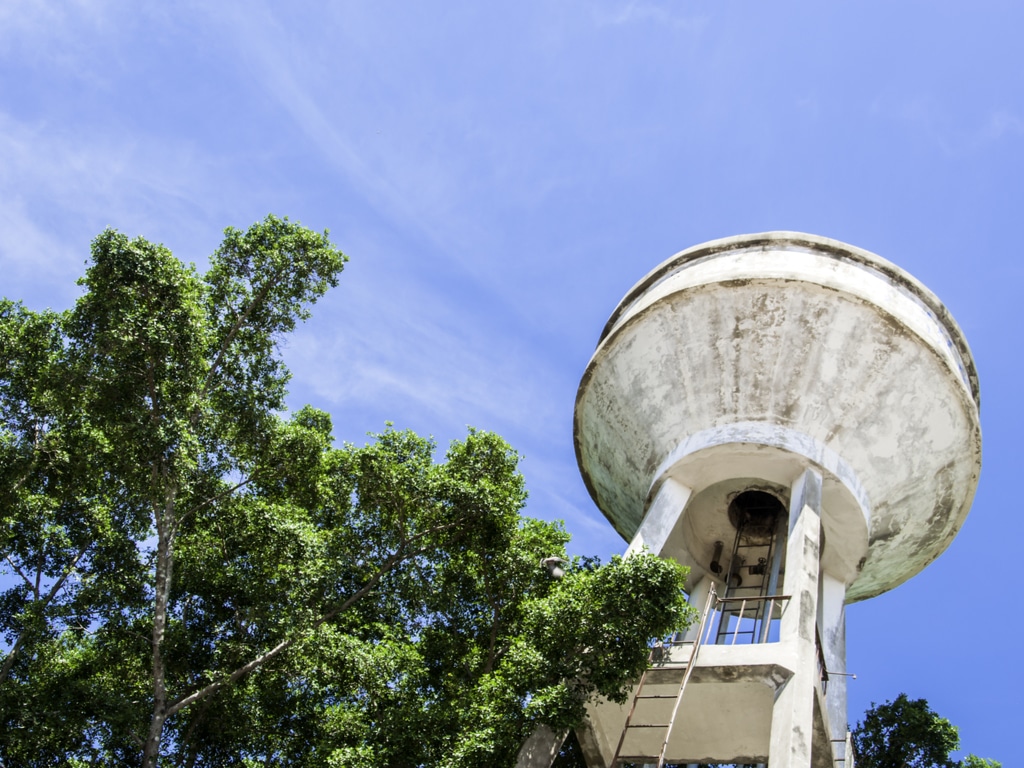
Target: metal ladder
x=767, y=557
x=678, y=696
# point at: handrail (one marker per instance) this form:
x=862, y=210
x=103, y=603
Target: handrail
x=752, y=598
x=763, y=606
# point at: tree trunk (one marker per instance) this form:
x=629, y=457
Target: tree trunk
x=164, y=562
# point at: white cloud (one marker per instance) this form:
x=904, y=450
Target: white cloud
x=953, y=134
x=33, y=257
x=418, y=356
x=667, y=14
x=1001, y=123
x=363, y=144
x=61, y=185
x=929, y=121
x=57, y=35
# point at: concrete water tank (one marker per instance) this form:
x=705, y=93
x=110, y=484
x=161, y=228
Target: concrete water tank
x=787, y=343
x=796, y=420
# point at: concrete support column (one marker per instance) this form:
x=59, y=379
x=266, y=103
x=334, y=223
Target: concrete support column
x=698, y=592
x=832, y=625
x=590, y=745
x=541, y=749
x=793, y=711
x=662, y=516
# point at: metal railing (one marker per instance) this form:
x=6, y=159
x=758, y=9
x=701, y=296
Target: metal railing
x=746, y=620
x=729, y=621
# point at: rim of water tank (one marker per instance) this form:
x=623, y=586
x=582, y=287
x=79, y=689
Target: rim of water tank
x=834, y=248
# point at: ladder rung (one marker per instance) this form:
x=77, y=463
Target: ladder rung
x=617, y=758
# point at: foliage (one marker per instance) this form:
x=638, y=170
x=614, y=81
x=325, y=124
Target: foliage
x=906, y=733
x=973, y=761
x=193, y=578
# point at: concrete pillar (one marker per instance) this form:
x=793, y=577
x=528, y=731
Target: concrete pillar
x=832, y=625
x=793, y=711
x=590, y=745
x=698, y=599
x=662, y=516
x=541, y=749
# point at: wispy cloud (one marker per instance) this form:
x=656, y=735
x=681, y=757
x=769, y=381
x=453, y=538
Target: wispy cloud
x=927, y=119
x=56, y=34
x=32, y=256
x=419, y=356
x=1001, y=123
x=420, y=363
x=369, y=145
x=667, y=14
x=61, y=185
x=934, y=125
x=426, y=156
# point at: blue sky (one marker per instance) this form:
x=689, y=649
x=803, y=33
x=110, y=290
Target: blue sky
x=501, y=176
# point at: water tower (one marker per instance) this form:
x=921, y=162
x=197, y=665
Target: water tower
x=796, y=420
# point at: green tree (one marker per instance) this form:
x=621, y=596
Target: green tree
x=124, y=419
x=193, y=578
x=973, y=761
x=906, y=733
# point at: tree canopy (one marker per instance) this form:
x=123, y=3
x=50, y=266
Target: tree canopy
x=906, y=733
x=192, y=576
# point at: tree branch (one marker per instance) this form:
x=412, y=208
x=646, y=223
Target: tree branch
x=259, y=661
x=18, y=570
x=67, y=572
x=5, y=670
x=39, y=571
x=495, y=605
x=162, y=587
x=28, y=470
x=9, y=661
x=401, y=555
x=223, y=494
x=239, y=323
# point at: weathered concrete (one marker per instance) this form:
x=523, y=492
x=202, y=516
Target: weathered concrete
x=590, y=745
x=661, y=518
x=730, y=686
x=743, y=703
x=832, y=626
x=835, y=355
x=698, y=589
x=812, y=371
x=793, y=711
x=541, y=749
